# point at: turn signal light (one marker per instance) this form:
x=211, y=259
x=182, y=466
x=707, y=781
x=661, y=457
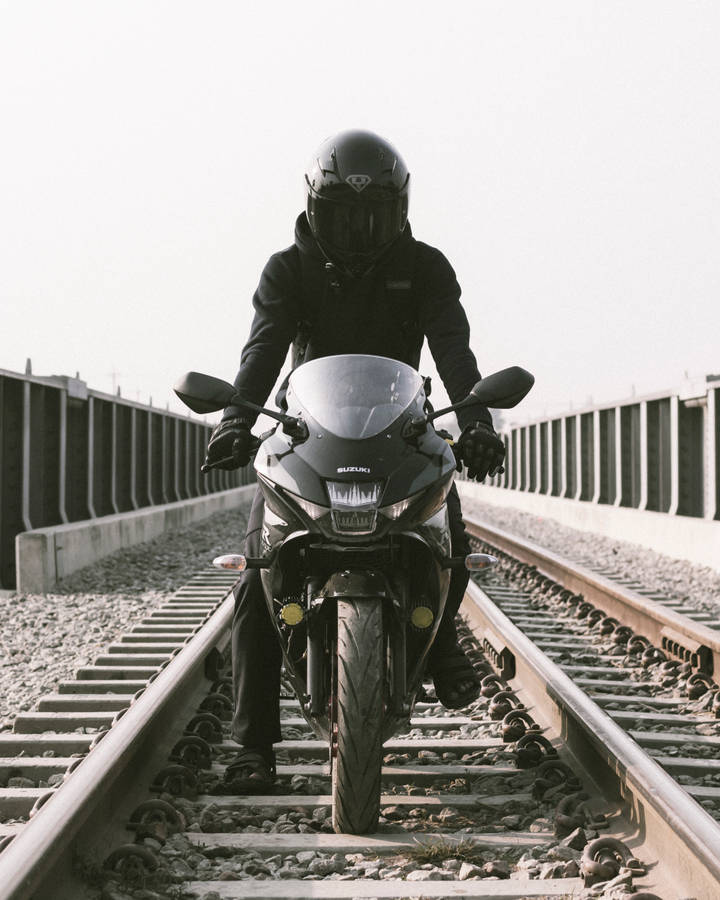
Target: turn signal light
x=231, y=561
x=476, y=561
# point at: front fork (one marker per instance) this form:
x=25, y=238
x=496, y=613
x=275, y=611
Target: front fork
x=316, y=651
x=319, y=660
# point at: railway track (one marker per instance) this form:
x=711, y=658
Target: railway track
x=483, y=803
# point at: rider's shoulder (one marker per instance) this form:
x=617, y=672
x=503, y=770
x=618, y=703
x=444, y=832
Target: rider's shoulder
x=433, y=260
x=283, y=262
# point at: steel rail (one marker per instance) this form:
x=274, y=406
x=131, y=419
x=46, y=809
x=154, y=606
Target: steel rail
x=668, y=822
x=28, y=862
x=663, y=627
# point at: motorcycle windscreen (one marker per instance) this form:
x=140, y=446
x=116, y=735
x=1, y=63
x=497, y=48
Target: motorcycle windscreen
x=355, y=396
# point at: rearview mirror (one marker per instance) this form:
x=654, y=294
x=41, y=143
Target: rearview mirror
x=203, y=393
x=501, y=390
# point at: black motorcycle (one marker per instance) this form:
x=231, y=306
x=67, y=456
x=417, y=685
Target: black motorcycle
x=356, y=554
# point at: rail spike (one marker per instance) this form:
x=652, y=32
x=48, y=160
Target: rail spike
x=133, y=862
x=553, y=777
x=571, y=813
x=502, y=703
x=604, y=858
x=532, y=749
x=192, y=751
x=156, y=819
x=516, y=724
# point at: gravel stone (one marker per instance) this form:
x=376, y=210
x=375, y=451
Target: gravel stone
x=576, y=839
x=326, y=867
x=468, y=870
x=54, y=634
x=497, y=868
x=20, y=782
x=434, y=875
x=699, y=585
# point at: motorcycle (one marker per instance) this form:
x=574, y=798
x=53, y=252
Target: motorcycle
x=356, y=555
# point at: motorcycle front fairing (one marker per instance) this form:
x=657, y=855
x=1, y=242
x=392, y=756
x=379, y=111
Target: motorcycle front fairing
x=356, y=495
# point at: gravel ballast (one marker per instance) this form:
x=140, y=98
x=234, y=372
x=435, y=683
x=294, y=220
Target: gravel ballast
x=46, y=637
x=698, y=585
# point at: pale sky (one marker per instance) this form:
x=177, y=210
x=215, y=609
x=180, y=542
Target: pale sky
x=565, y=156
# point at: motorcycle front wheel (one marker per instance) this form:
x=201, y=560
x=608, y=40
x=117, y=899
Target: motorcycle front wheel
x=359, y=688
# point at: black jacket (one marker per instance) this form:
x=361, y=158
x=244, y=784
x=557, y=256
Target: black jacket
x=411, y=294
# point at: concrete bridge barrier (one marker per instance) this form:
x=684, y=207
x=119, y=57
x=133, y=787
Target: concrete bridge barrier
x=70, y=455
x=45, y=556
x=645, y=470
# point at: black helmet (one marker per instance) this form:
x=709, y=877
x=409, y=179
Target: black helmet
x=357, y=199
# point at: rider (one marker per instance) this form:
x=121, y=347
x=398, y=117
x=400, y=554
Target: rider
x=354, y=281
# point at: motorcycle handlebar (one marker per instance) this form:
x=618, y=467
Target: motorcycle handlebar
x=222, y=463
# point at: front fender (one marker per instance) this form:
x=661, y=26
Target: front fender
x=356, y=584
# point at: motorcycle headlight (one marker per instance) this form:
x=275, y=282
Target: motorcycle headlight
x=424, y=504
x=277, y=499
x=354, y=505
x=314, y=510
x=353, y=494
x=395, y=510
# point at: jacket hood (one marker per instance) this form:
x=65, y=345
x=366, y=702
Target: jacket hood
x=306, y=243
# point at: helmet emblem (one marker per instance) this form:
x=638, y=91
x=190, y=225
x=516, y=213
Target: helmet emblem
x=358, y=182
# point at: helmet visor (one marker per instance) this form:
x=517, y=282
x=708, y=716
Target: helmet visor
x=357, y=225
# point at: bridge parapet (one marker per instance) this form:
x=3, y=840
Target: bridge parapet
x=646, y=470
x=658, y=453
x=69, y=454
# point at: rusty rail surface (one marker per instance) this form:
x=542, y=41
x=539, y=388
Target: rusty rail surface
x=673, y=632
x=107, y=776
x=669, y=826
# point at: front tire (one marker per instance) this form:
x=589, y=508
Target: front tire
x=359, y=694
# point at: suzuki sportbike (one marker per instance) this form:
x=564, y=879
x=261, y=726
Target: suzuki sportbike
x=356, y=555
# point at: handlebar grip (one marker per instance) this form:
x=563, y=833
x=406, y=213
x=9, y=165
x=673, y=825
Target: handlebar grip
x=220, y=463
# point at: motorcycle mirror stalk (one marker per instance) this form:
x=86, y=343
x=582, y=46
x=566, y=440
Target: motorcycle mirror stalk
x=501, y=390
x=205, y=394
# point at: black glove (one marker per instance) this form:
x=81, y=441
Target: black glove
x=481, y=450
x=229, y=446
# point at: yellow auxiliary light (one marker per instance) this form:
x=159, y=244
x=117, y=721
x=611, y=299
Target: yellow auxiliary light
x=292, y=614
x=422, y=617
x=231, y=561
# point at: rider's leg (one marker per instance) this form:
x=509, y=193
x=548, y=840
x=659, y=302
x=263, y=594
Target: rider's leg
x=256, y=661
x=455, y=680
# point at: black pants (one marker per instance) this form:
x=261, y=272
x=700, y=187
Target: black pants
x=256, y=655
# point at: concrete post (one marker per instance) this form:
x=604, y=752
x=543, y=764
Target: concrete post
x=114, y=458
x=91, y=458
x=597, y=471
x=711, y=456
x=26, y=458
x=187, y=435
x=505, y=477
x=133, y=458
x=618, y=458
x=526, y=445
x=579, y=461
x=62, y=461
x=643, y=455
x=176, y=461
x=674, y=455
x=551, y=460
x=149, y=452
x=563, y=457
x=538, y=457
